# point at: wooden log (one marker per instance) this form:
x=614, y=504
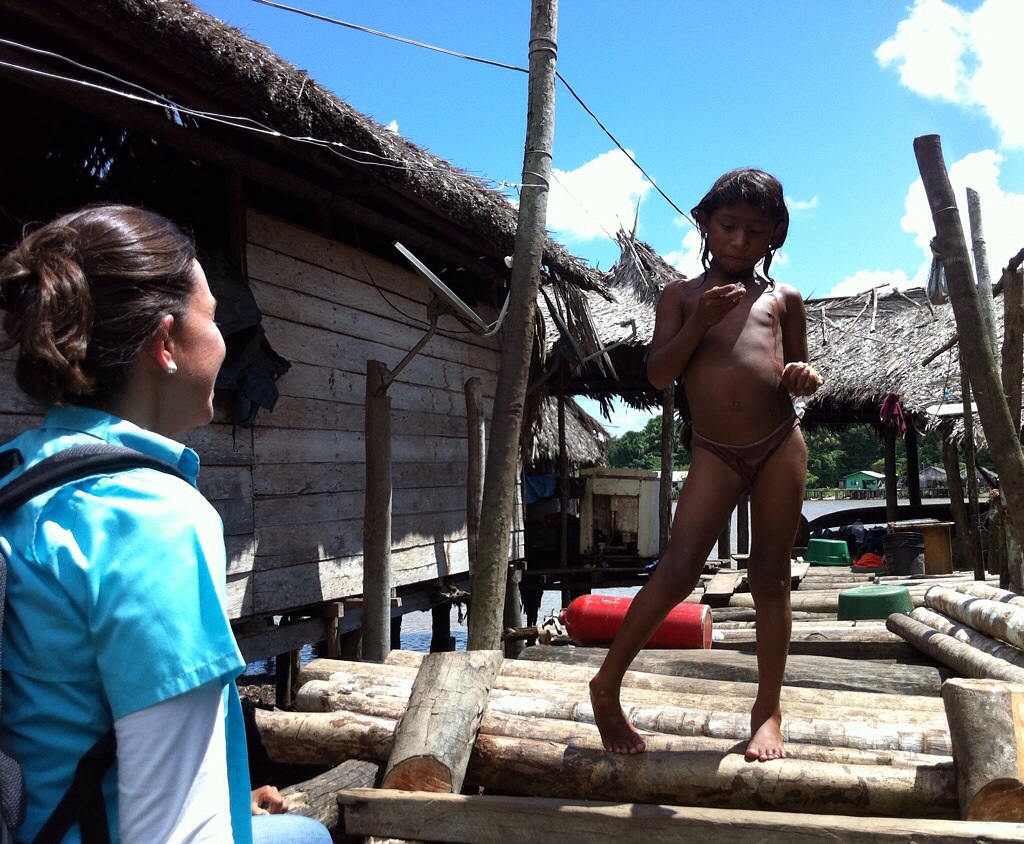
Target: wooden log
x=318, y=797
x=863, y=643
x=747, y=614
x=324, y=738
x=808, y=671
x=547, y=769
x=688, y=716
x=312, y=738
x=436, y=732
x=531, y=670
x=991, y=593
x=964, y=659
x=969, y=636
x=1002, y=621
x=824, y=600
x=500, y=819
x=986, y=720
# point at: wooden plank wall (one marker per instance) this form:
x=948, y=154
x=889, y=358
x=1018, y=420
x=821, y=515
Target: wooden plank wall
x=328, y=309
x=290, y=489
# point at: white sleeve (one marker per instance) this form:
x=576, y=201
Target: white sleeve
x=172, y=779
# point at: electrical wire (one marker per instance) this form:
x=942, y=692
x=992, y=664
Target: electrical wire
x=468, y=57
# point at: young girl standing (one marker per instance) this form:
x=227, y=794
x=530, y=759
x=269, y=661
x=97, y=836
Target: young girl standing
x=739, y=343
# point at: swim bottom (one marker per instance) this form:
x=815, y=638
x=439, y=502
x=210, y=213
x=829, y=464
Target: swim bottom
x=747, y=460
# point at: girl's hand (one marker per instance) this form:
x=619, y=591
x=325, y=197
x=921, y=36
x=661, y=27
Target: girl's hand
x=801, y=379
x=714, y=304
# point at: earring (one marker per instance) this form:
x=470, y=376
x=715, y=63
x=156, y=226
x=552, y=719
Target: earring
x=172, y=367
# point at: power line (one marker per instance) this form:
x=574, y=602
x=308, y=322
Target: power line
x=458, y=55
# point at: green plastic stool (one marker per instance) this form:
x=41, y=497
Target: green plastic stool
x=873, y=601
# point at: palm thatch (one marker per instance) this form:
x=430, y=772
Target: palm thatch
x=876, y=344
x=197, y=64
x=586, y=440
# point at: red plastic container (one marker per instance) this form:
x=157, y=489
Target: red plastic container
x=595, y=619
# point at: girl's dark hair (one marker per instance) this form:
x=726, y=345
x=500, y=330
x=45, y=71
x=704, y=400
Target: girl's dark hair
x=746, y=184
x=85, y=292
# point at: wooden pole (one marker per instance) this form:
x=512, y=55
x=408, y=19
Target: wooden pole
x=563, y=478
x=985, y=299
x=1013, y=341
x=986, y=723
x=913, y=465
x=668, y=443
x=377, y=516
x=891, y=479
x=971, y=467
x=957, y=506
x=1003, y=621
x=1003, y=437
x=488, y=582
x=475, y=434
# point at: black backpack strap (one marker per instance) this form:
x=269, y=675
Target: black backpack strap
x=83, y=801
x=75, y=463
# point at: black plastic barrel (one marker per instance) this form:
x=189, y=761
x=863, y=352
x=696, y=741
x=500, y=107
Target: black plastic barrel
x=903, y=552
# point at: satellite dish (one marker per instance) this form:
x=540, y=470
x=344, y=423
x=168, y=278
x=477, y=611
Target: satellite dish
x=459, y=309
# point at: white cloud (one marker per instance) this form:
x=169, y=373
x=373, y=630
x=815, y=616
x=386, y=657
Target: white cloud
x=623, y=417
x=797, y=205
x=972, y=59
x=393, y=127
x=1001, y=213
x=866, y=279
x=596, y=199
x=686, y=259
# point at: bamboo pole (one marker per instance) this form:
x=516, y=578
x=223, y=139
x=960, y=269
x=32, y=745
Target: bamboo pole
x=985, y=298
x=968, y=635
x=964, y=659
x=488, y=582
x=999, y=620
x=1002, y=435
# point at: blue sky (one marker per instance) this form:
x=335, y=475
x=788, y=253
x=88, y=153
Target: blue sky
x=828, y=96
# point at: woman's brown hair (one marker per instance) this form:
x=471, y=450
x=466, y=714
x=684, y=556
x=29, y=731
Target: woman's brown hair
x=84, y=293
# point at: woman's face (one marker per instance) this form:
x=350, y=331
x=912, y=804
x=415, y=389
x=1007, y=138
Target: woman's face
x=198, y=352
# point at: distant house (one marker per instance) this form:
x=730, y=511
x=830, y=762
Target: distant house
x=864, y=480
x=933, y=477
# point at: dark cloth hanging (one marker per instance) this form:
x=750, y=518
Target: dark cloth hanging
x=251, y=367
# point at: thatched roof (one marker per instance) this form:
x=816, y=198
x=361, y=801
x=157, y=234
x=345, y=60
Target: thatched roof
x=586, y=440
x=196, y=61
x=879, y=343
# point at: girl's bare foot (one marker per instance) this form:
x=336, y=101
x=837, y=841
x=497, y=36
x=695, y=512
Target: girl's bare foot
x=766, y=736
x=617, y=733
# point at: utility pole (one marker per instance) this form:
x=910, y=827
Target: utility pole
x=489, y=577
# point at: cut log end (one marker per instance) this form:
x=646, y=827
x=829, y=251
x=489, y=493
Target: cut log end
x=420, y=773
x=1000, y=800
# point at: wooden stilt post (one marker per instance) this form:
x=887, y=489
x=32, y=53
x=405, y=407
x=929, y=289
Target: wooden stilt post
x=891, y=492
x=668, y=448
x=913, y=465
x=957, y=505
x=377, y=516
x=475, y=434
x=441, y=628
x=986, y=725
x=514, y=610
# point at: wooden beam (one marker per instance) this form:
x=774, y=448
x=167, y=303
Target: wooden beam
x=486, y=819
